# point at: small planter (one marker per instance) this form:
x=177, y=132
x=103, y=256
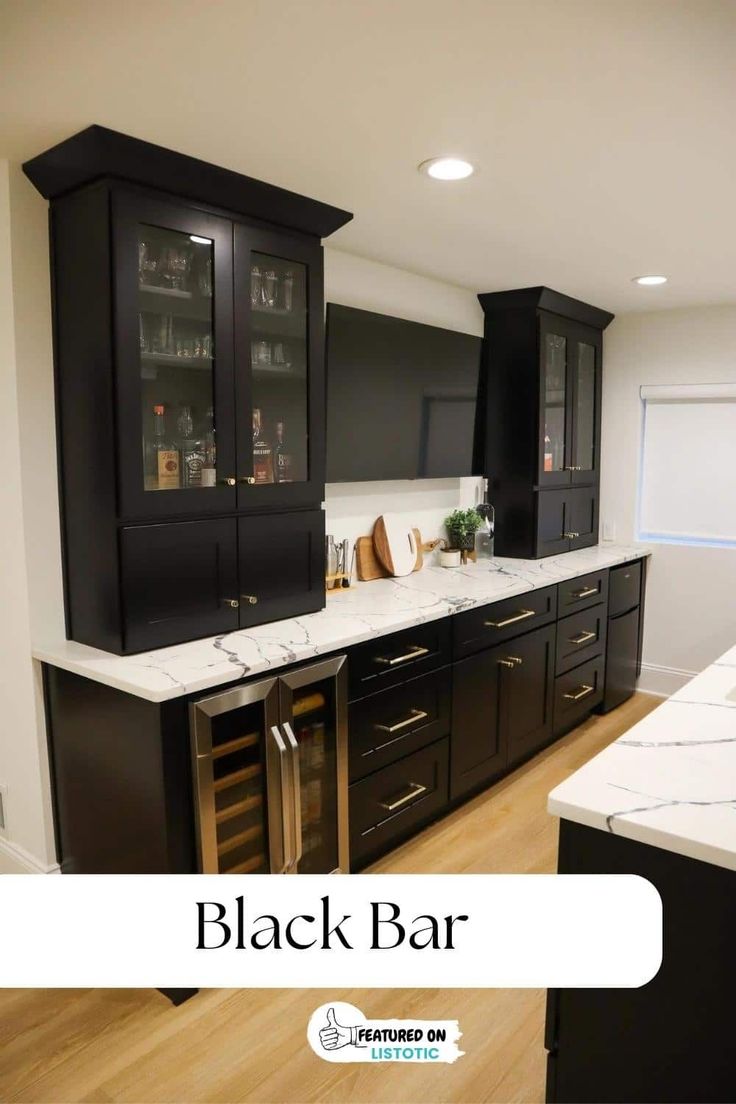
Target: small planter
x=462, y=525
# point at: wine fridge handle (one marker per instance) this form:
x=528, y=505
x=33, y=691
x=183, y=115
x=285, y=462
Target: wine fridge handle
x=277, y=800
x=296, y=789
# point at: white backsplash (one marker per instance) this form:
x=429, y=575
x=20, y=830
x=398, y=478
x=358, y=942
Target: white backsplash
x=352, y=508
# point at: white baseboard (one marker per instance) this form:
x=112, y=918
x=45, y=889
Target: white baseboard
x=662, y=681
x=16, y=860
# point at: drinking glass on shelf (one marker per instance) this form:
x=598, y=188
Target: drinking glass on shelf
x=142, y=333
x=162, y=338
x=270, y=288
x=204, y=280
x=279, y=356
x=289, y=291
x=180, y=262
x=261, y=352
x=255, y=286
x=147, y=264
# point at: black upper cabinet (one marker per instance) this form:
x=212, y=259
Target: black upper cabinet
x=189, y=350
x=539, y=437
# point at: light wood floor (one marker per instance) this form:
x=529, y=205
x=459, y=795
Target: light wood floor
x=250, y=1045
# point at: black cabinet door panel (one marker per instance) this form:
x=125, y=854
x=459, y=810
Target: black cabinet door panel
x=581, y=516
x=478, y=745
x=386, y=726
x=552, y=523
x=527, y=693
x=621, y=658
x=179, y=582
x=281, y=561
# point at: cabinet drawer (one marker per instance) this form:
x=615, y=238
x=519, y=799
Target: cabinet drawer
x=488, y=625
x=392, y=659
x=580, y=593
x=624, y=588
x=576, y=693
x=388, y=725
x=386, y=805
x=580, y=637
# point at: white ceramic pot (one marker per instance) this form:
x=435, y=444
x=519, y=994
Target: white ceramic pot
x=449, y=557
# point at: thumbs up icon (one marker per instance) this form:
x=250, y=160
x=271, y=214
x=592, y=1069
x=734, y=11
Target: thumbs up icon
x=333, y=1035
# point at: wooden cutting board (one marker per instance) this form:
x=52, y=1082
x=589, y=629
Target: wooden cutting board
x=395, y=545
x=369, y=566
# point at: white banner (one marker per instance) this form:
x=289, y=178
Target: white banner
x=368, y=930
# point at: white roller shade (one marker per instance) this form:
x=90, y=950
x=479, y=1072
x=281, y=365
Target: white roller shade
x=688, y=471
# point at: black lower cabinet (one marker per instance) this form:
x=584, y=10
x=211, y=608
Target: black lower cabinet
x=672, y=1039
x=281, y=566
x=179, y=581
x=625, y=631
x=502, y=708
x=392, y=803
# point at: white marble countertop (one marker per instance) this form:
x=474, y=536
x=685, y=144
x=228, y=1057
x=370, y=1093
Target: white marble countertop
x=670, y=781
x=364, y=611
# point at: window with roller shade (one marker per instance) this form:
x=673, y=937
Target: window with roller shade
x=687, y=486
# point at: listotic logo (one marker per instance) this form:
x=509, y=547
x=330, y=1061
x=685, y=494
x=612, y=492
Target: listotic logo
x=339, y=1032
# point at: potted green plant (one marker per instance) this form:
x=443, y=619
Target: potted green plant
x=462, y=525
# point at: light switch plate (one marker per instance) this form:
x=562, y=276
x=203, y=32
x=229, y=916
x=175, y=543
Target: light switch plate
x=609, y=530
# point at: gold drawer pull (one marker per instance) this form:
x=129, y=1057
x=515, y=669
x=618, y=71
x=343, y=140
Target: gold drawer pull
x=416, y=715
x=415, y=653
x=571, y=535
x=415, y=789
x=520, y=616
x=586, y=592
x=583, y=637
x=506, y=663
x=578, y=695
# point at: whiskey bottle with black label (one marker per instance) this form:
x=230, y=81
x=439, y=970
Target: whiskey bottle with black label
x=281, y=457
x=262, y=452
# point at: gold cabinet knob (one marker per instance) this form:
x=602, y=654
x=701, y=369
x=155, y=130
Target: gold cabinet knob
x=247, y=479
x=251, y=599
x=229, y=481
x=233, y=603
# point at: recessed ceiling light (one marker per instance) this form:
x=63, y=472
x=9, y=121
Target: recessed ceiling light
x=200, y=241
x=649, y=281
x=447, y=168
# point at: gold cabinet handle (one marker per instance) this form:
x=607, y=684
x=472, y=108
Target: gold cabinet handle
x=516, y=660
x=578, y=695
x=251, y=599
x=574, y=467
x=415, y=653
x=228, y=481
x=506, y=663
x=520, y=616
x=233, y=603
x=571, y=535
x=586, y=592
x=415, y=789
x=247, y=479
x=582, y=638
x=416, y=715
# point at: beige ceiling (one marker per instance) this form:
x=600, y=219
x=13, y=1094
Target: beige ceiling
x=603, y=130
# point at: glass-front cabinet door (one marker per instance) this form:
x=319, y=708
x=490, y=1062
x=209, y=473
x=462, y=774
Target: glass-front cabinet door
x=279, y=375
x=314, y=725
x=586, y=383
x=555, y=390
x=173, y=327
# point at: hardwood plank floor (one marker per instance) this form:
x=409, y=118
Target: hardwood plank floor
x=249, y=1045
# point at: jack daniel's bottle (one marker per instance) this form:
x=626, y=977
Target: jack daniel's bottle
x=262, y=453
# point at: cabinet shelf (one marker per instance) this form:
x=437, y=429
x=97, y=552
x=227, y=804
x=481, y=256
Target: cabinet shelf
x=240, y=838
x=233, y=779
x=251, y=740
x=239, y=808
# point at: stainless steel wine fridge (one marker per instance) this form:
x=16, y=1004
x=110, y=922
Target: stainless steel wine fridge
x=271, y=774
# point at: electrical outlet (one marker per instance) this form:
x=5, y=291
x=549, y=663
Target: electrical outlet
x=609, y=530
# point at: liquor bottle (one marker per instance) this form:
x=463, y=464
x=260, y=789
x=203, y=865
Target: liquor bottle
x=209, y=469
x=281, y=457
x=162, y=461
x=192, y=452
x=289, y=291
x=484, y=536
x=262, y=453
x=548, y=458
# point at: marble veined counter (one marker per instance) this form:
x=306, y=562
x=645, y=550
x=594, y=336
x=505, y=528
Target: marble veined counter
x=670, y=781
x=364, y=611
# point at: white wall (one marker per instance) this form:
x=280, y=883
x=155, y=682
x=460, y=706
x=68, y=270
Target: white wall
x=352, y=508
x=691, y=597
x=28, y=842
